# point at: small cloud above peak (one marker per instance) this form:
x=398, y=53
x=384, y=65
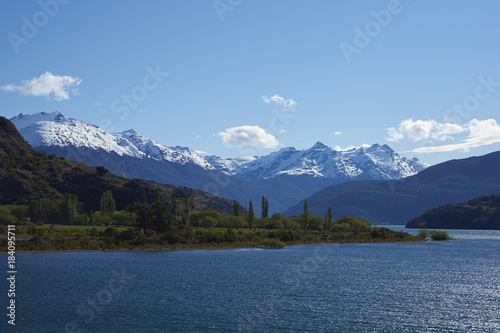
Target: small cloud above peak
x=248, y=136
x=280, y=101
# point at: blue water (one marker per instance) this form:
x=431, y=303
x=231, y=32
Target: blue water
x=420, y=287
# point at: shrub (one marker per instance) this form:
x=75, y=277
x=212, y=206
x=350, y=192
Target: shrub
x=93, y=232
x=230, y=236
x=423, y=234
x=272, y=243
x=438, y=235
x=101, y=171
x=127, y=235
x=110, y=232
x=195, y=218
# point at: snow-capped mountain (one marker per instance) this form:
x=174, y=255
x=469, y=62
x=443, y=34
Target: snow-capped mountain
x=361, y=163
x=54, y=129
x=223, y=164
x=381, y=162
x=320, y=161
x=182, y=155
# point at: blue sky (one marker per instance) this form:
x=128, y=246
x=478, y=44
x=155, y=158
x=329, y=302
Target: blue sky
x=248, y=77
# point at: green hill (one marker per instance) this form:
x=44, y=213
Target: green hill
x=479, y=213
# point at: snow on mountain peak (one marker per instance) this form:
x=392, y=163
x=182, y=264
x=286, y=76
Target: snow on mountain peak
x=53, y=129
x=364, y=162
x=339, y=165
x=24, y=120
x=182, y=155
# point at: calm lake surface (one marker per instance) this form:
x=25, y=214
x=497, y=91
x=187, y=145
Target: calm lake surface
x=420, y=287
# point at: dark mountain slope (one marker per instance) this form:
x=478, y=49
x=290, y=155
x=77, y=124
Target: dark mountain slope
x=398, y=201
x=480, y=213
x=26, y=175
x=12, y=143
x=282, y=191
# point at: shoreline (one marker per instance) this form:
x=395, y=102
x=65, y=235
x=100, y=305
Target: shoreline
x=202, y=248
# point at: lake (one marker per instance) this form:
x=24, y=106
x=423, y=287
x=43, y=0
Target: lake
x=449, y=286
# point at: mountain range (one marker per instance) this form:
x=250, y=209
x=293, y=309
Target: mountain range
x=285, y=176
x=399, y=201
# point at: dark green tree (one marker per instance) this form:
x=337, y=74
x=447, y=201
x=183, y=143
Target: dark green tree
x=144, y=216
x=144, y=196
x=157, y=194
x=173, y=203
x=107, y=203
x=328, y=218
x=267, y=208
x=305, y=216
x=236, y=208
x=69, y=209
x=185, y=209
x=264, y=211
x=101, y=171
x=161, y=218
x=45, y=211
x=251, y=215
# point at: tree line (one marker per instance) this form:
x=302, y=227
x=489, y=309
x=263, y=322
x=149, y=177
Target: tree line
x=160, y=215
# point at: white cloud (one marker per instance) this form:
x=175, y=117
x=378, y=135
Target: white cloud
x=248, y=136
x=422, y=130
x=417, y=130
x=51, y=86
x=481, y=133
x=337, y=133
x=284, y=103
x=394, y=135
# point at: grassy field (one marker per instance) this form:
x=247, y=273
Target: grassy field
x=50, y=238
x=81, y=228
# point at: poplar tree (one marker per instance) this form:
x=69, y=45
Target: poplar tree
x=267, y=208
x=251, y=215
x=264, y=212
x=236, y=208
x=107, y=203
x=305, y=216
x=69, y=209
x=328, y=218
